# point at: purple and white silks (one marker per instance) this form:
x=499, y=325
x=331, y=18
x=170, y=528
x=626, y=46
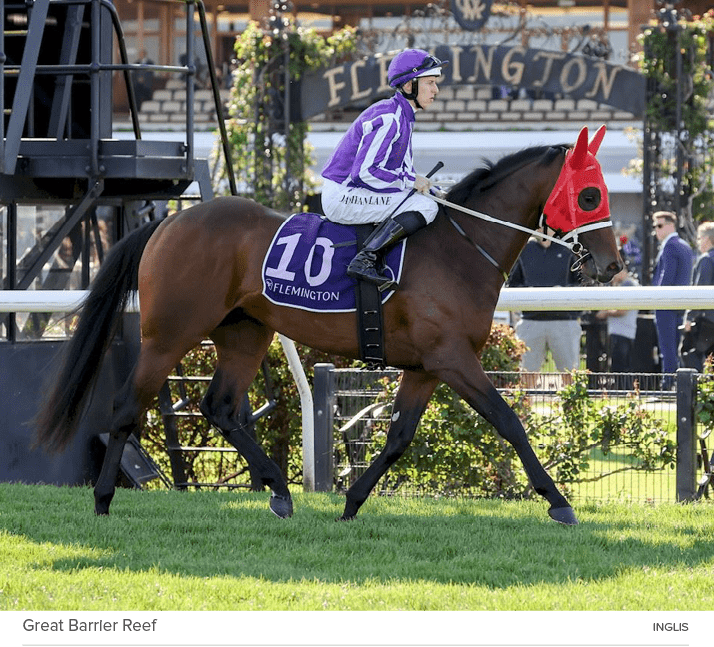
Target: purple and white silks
x=371, y=170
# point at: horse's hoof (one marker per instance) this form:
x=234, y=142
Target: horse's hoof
x=281, y=506
x=345, y=517
x=565, y=516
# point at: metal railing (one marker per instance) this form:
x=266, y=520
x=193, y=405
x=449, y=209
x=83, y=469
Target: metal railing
x=351, y=411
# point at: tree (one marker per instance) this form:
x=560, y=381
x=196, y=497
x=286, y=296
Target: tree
x=678, y=142
x=269, y=150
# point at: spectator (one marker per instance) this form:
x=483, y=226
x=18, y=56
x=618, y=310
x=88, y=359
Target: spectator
x=621, y=333
x=143, y=80
x=673, y=266
x=698, y=340
x=542, y=264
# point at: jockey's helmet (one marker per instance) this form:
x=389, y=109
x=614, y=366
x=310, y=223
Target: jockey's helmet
x=411, y=64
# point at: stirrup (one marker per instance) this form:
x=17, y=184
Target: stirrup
x=389, y=284
x=383, y=283
x=363, y=267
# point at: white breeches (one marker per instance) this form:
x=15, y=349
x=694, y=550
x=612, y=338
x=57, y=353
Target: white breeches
x=356, y=206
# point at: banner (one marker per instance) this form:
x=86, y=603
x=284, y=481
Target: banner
x=279, y=628
x=561, y=74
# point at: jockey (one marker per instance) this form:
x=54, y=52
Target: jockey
x=370, y=174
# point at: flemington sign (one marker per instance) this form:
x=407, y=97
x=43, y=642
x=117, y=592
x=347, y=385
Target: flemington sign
x=571, y=75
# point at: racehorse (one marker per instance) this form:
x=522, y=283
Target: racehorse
x=198, y=275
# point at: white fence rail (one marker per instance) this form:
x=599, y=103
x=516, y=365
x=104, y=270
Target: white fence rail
x=700, y=297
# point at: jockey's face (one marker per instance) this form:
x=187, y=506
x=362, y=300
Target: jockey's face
x=427, y=91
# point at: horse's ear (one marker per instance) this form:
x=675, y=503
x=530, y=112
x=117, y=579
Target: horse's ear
x=597, y=139
x=580, y=152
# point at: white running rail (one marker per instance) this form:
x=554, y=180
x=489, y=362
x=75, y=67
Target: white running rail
x=699, y=297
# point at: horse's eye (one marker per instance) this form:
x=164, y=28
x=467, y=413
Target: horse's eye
x=589, y=199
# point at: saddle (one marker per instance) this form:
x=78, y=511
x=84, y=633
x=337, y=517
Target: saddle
x=304, y=268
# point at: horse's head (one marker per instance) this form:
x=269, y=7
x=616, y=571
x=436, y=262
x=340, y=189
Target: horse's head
x=578, y=208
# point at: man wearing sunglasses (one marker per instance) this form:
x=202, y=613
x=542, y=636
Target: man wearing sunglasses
x=673, y=266
x=370, y=175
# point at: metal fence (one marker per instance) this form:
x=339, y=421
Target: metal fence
x=356, y=410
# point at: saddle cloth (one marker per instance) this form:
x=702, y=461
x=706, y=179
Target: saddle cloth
x=306, y=263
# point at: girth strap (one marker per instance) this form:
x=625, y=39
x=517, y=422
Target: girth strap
x=370, y=319
x=370, y=323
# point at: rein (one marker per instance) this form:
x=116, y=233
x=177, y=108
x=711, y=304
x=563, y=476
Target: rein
x=574, y=247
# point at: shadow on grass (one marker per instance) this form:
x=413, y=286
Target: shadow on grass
x=471, y=542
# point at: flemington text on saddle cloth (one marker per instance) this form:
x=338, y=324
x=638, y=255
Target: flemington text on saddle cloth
x=306, y=262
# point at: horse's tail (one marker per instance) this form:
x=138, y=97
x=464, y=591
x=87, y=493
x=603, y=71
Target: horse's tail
x=99, y=317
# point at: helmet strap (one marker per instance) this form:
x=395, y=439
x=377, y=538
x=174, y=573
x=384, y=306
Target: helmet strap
x=412, y=96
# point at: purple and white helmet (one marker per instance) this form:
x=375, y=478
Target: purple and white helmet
x=412, y=63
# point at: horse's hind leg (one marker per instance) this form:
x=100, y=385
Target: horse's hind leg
x=118, y=435
x=150, y=372
x=412, y=397
x=240, y=347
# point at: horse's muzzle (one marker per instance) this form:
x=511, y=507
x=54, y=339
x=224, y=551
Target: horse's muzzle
x=588, y=267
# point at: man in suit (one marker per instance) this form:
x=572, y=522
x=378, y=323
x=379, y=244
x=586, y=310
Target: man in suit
x=699, y=323
x=673, y=266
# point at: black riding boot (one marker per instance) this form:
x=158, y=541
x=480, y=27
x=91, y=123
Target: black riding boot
x=388, y=233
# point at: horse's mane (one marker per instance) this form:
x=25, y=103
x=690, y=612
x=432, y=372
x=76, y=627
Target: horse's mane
x=488, y=175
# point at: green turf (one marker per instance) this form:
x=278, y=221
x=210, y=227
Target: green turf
x=214, y=551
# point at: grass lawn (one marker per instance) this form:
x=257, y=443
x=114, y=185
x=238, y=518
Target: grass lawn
x=225, y=550
x=630, y=485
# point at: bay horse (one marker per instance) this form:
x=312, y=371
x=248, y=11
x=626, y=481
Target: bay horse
x=198, y=275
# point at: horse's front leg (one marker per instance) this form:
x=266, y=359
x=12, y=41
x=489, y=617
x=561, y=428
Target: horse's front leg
x=472, y=384
x=412, y=397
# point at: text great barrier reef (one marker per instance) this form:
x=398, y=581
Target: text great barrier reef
x=83, y=626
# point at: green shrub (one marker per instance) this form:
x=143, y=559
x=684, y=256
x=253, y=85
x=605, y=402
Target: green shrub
x=279, y=432
x=455, y=451
x=704, y=406
x=577, y=425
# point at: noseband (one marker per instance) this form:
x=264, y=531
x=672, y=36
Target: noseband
x=581, y=254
